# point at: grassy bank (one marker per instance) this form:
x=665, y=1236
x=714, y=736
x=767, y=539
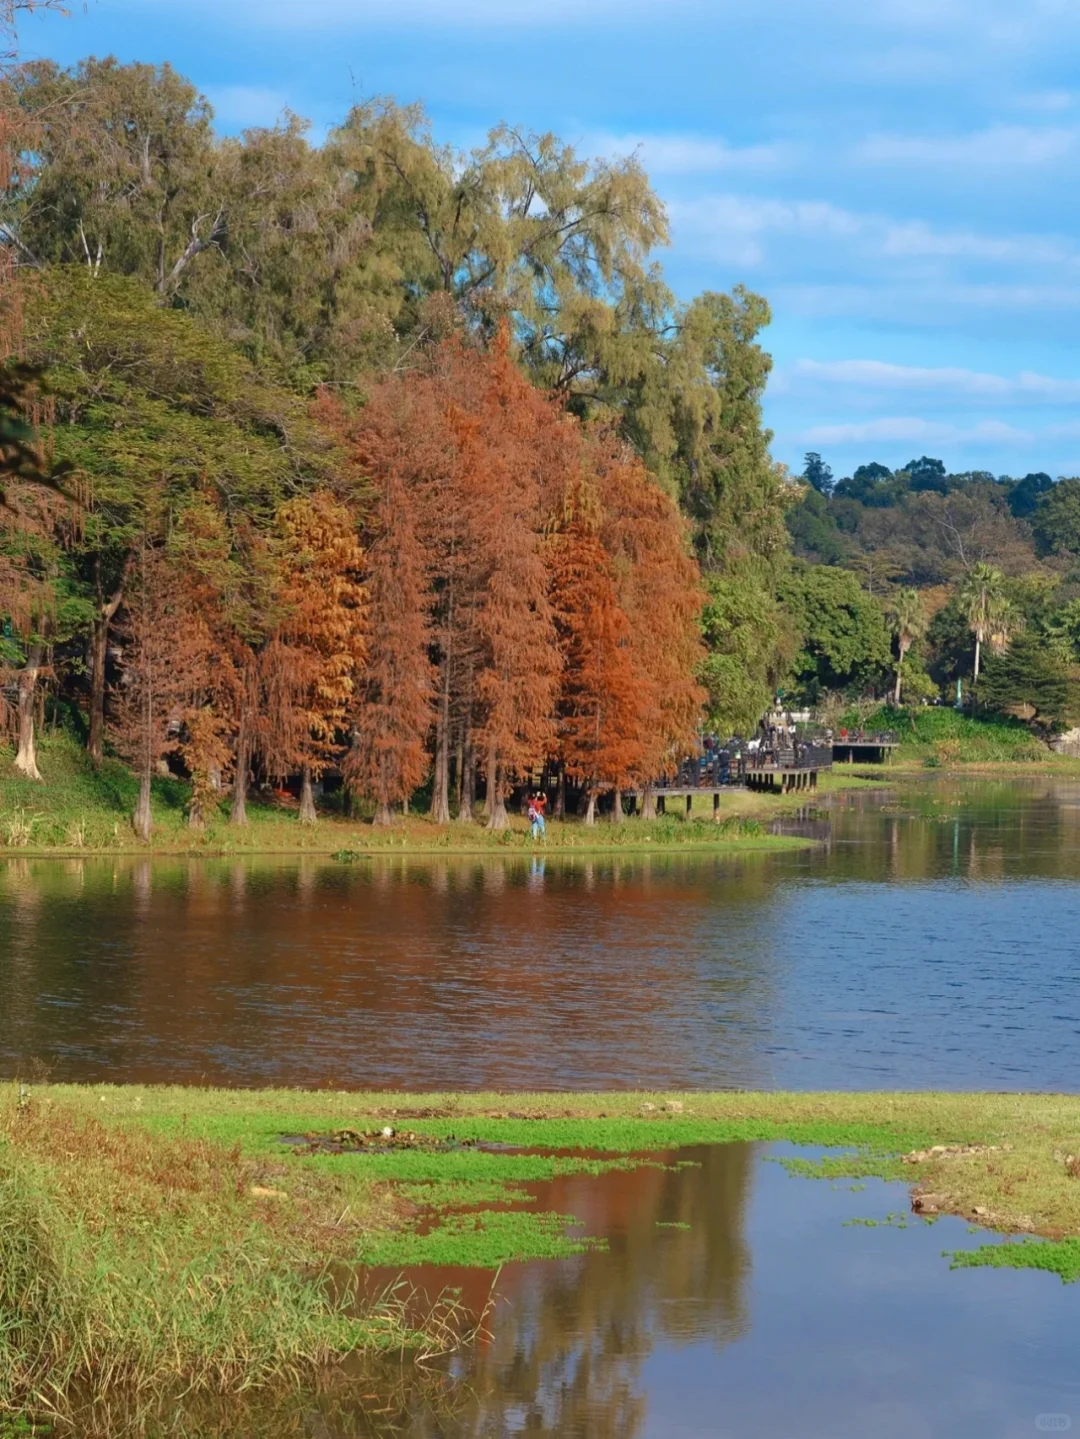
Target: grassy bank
x=80, y=811
x=156, y=1238
x=938, y=737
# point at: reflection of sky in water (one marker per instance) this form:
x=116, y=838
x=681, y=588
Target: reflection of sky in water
x=857, y=1332
x=767, y=1315
x=929, y=943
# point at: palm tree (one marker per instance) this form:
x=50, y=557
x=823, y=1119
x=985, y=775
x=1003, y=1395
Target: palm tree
x=908, y=620
x=982, y=596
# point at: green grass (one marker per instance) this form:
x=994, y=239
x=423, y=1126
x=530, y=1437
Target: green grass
x=939, y=736
x=1061, y=1257
x=79, y=811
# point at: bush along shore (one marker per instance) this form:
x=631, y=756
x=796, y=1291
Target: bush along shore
x=167, y=1240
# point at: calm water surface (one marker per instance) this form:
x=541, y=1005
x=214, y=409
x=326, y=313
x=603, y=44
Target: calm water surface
x=929, y=940
x=767, y=1315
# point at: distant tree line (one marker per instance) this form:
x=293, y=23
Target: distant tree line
x=968, y=568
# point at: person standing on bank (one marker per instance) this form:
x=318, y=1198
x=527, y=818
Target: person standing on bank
x=537, y=805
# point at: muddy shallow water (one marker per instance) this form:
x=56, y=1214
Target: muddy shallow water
x=927, y=941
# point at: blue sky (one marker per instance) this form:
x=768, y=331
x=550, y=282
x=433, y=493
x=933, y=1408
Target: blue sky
x=895, y=176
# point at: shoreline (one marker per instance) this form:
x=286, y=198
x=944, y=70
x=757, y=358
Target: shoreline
x=172, y=1242
x=80, y=813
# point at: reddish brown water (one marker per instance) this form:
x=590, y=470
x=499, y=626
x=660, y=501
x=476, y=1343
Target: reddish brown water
x=927, y=942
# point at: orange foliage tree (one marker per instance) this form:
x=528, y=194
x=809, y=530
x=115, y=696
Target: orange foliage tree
x=603, y=708
x=387, y=758
x=659, y=589
x=325, y=607
x=165, y=654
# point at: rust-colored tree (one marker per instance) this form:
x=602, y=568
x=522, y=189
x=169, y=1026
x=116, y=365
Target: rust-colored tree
x=387, y=759
x=165, y=655
x=325, y=606
x=659, y=589
x=602, y=713
x=519, y=665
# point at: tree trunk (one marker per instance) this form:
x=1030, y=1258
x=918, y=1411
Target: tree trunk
x=99, y=643
x=560, y=795
x=383, y=816
x=26, y=756
x=497, y=816
x=899, y=677
x=99, y=647
x=590, y=808
x=978, y=654
x=440, y=789
x=307, y=798
x=616, y=813
x=238, y=813
x=467, y=798
x=648, y=802
x=143, y=822
x=489, y=785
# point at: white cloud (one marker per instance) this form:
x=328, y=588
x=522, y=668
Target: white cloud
x=737, y=224
x=996, y=146
x=908, y=428
x=689, y=154
x=954, y=381
x=1049, y=102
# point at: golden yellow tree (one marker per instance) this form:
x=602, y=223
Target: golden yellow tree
x=326, y=608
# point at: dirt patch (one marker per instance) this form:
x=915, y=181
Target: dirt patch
x=951, y=1151
x=386, y=1140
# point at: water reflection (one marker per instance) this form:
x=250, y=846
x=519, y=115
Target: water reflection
x=769, y=1315
x=926, y=943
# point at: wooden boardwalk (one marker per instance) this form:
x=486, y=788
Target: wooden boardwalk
x=783, y=778
x=863, y=751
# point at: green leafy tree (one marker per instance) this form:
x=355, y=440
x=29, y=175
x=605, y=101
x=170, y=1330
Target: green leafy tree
x=150, y=411
x=1056, y=521
x=750, y=643
x=907, y=619
x=926, y=474
x=845, y=642
x=817, y=473
x=1031, y=681
x=1026, y=494
x=122, y=179
x=812, y=525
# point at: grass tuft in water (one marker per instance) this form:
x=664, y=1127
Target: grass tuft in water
x=1060, y=1257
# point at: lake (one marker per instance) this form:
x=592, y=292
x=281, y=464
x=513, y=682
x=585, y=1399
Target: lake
x=926, y=940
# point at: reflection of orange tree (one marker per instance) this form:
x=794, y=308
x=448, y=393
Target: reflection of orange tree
x=484, y=957
x=569, y=1338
